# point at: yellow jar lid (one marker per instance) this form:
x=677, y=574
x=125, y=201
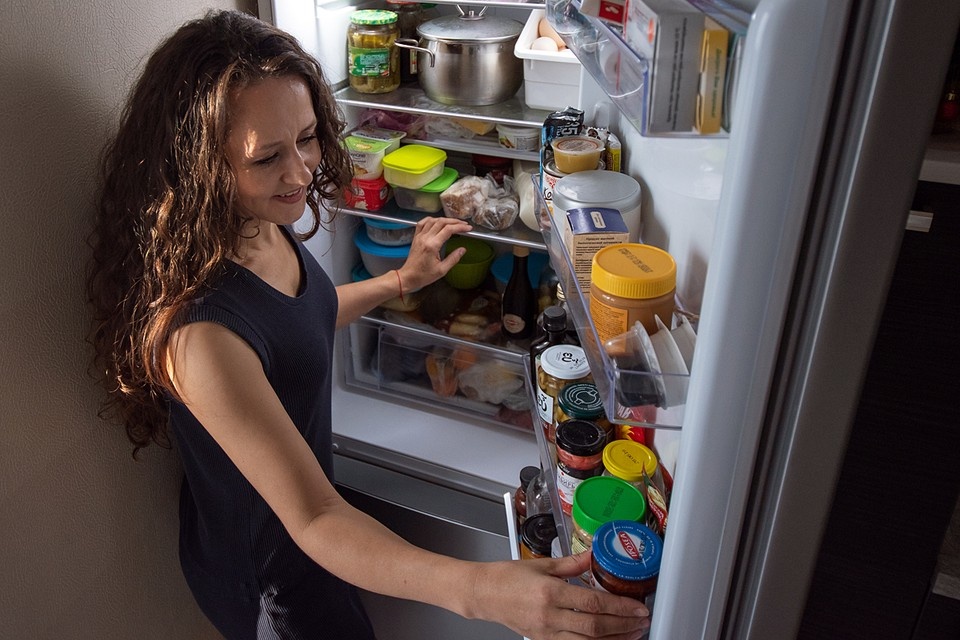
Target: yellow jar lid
x=635, y=271
x=627, y=460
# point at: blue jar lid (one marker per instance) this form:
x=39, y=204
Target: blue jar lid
x=365, y=244
x=359, y=273
x=627, y=550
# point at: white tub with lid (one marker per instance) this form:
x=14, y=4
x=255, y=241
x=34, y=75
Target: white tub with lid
x=599, y=188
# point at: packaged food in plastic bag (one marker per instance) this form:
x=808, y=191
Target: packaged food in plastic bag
x=465, y=197
x=490, y=381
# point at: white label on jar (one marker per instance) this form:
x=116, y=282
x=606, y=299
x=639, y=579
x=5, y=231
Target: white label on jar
x=544, y=408
x=566, y=485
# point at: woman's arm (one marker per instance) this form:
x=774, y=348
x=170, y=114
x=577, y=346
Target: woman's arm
x=221, y=380
x=423, y=266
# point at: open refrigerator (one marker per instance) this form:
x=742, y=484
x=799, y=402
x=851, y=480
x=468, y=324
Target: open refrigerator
x=785, y=230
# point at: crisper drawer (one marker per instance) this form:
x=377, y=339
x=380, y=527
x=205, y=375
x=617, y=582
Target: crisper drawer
x=390, y=356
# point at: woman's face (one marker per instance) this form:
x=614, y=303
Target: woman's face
x=273, y=148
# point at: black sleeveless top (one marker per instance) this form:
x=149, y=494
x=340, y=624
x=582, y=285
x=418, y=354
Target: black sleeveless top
x=231, y=542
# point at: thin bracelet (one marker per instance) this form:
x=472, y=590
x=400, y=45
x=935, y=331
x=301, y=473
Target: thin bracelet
x=400, y=282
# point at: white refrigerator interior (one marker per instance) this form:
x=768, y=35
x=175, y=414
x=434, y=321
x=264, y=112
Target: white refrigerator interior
x=785, y=235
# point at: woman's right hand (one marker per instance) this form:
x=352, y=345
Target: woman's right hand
x=532, y=598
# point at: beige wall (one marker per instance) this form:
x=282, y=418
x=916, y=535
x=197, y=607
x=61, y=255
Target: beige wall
x=87, y=535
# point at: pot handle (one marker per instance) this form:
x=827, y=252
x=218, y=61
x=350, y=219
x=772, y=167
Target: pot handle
x=469, y=14
x=410, y=43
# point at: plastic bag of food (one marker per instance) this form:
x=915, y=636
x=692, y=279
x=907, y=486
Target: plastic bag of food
x=502, y=206
x=490, y=381
x=465, y=197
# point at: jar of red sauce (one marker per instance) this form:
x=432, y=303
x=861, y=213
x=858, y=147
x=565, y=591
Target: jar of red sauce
x=625, y=559
x=493, y=166
x=579, y=456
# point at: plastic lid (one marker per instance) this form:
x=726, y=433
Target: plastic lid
x=597, y=188
x=527, y=474
x=384, y=224
x=635, y=271
x=580, y=437
x=365, y=145
x=359, y=273
x=580, y=400
x=414, y=158
x=565, y=362
x=627, y=550
x=364, y=243
x=447, y=178
x=538, y=532
x=373, y=16
x=603, y=498
x=554, y=319
x=628, y=460
x=470, y=28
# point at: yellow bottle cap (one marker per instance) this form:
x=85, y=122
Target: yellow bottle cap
x=635, y=271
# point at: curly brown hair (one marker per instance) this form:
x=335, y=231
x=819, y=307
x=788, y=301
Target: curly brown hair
x=166, y=218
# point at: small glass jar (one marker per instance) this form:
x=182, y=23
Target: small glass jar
x=536, y=536
x=626, y=559
x=373, y=62
x=631, y=283
x=637, y=464
x=559, y=366
x=579, y=451
x=580, y=401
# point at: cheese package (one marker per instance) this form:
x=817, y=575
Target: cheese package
x=587, y=230
x=713, y=72
x=668, y=33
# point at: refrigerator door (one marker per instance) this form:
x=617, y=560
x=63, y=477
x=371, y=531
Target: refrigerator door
x=836, y=101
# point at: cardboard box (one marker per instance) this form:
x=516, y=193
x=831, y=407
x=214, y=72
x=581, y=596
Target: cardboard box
x=551, y=79
x=736, y=22
x=713, y=74
x=587, y=230
x=613, y=12
x=668, y=33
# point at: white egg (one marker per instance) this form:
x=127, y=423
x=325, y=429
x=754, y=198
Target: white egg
x=544, y=44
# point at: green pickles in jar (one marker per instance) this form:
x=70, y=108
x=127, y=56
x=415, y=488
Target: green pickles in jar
x=373, y=61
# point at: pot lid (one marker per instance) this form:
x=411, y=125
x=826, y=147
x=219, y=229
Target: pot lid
x=470, y=27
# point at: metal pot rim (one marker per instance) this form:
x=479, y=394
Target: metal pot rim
x=470, y=30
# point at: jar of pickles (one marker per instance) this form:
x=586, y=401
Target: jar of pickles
x=373, y=62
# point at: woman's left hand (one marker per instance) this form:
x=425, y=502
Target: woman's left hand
x=425, y=264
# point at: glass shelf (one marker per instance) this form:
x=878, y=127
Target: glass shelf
x=621, y=72
x=413, y=100
x=518, y=234
x=613, y=383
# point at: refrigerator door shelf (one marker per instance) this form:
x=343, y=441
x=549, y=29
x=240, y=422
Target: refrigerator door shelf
x=617, y=385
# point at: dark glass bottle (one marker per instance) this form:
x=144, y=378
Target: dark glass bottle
x=572, y=336
x=554, y=331
x=519, y=303
x=409, y=17
x=527, y=475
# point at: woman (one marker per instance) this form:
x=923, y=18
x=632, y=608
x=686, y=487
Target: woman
x=211, y=317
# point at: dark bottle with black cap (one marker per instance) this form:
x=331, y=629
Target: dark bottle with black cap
x=554, y=325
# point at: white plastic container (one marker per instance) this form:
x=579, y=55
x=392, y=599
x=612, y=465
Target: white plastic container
x=366, y=156
x=598, y=188
x=520, y=138
x=390, y=234
x=551, y=79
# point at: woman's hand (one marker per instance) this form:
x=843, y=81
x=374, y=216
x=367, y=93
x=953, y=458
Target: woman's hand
x=529, y=597
x=424, y=265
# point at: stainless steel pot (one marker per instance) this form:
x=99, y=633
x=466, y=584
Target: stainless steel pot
x=468, y=59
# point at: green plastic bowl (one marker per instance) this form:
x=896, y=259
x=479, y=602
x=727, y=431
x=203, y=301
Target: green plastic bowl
x=473, y=267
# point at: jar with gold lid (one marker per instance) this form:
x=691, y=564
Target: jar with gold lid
x=373, y=62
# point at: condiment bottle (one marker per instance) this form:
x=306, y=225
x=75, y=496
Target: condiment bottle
x=519, y=302
x=598, y=500
x=572, y=336
x=559, y=365
x=536, y=536
x=409, y=17
x=527, y=474
x=579, y=456
x=581, y=401
x=554, y=332
x=631, y=283
x=373, y=62
x=626, y=559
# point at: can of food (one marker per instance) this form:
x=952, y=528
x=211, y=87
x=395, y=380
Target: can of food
x=551, y=175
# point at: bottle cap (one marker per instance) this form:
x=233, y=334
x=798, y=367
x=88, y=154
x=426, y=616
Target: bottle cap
x=565, y=362
x=627, y=550
x=603, y=498
x=629, y=460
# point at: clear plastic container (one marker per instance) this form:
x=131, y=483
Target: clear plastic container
x=413, y=166
x=520, y=138
x=426, y=199
x=391, y=234
x=377, y=258
x=576, y=153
